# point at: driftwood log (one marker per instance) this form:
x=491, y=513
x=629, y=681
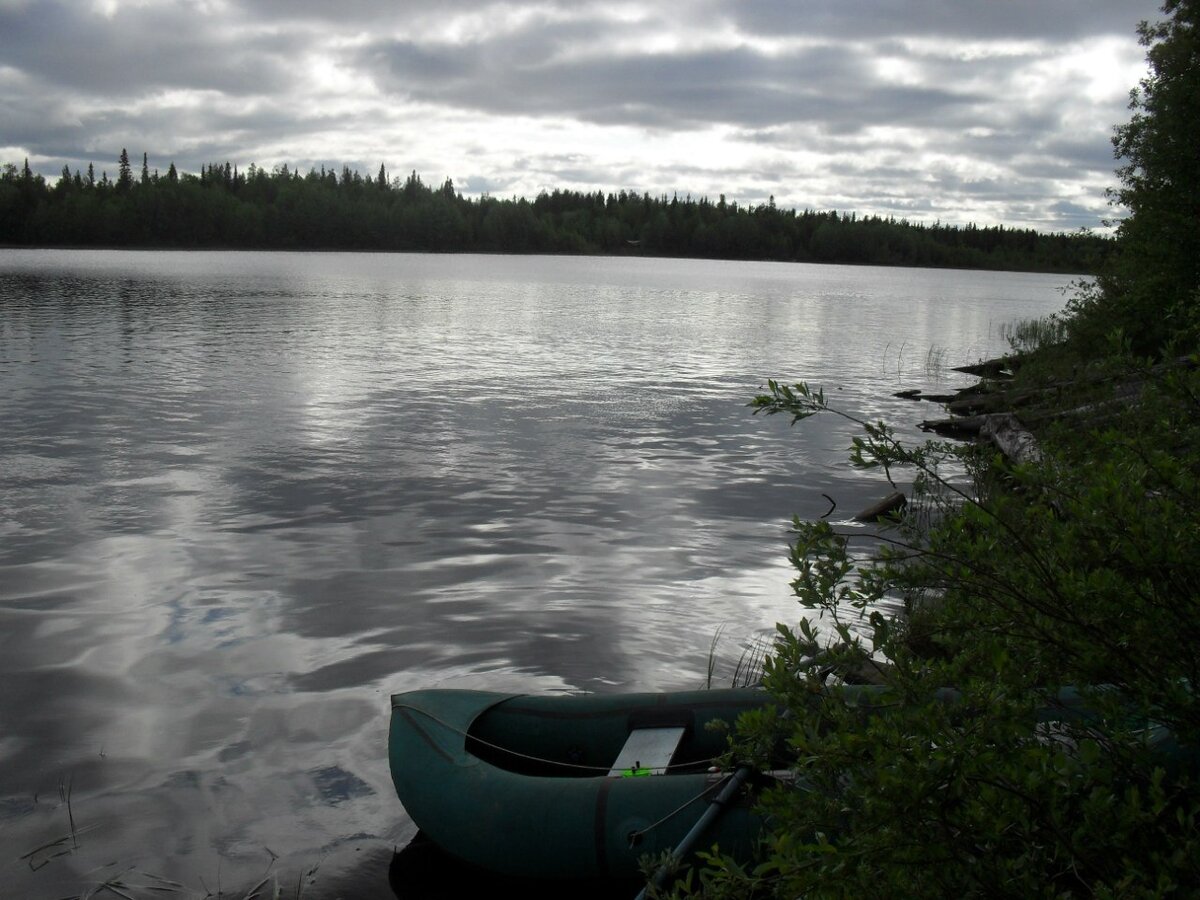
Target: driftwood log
x=1000, y=367
x=888, y=506
x=918, y=394
x=1011, y=438
x=1003, y=430
x=961, y=427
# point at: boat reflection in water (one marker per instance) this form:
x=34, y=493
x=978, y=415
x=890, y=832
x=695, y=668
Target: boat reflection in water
x=423, y=871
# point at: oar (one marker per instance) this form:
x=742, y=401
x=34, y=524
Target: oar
x=727, y=793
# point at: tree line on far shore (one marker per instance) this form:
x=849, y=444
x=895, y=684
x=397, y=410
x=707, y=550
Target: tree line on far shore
x=284, y=209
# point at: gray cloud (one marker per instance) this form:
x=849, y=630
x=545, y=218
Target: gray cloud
x=138, y=51
x=880, y=106
x=371, y=11
x=666, y=90
x=985, y=20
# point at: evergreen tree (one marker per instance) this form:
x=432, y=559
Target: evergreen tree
x=124, y=173
x=413, y=186
x=1151, y=291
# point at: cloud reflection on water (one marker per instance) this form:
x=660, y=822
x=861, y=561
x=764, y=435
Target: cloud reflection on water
x=246, y=496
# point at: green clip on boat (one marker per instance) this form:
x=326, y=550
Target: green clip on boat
x=569, y=786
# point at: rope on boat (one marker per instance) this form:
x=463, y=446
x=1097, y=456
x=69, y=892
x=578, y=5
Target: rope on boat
x=538, y=759
x=729, y=787
x=782, y=777
x=634, y=836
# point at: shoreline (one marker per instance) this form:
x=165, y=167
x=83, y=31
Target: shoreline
x=157, y=248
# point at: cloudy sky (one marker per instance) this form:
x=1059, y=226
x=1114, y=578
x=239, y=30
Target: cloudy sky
x=987, y=111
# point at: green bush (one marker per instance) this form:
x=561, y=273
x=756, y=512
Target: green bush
x=972, y=772
x=1149, y=291
x=1037, y=732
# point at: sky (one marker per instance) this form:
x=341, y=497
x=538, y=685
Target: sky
x=984, y=111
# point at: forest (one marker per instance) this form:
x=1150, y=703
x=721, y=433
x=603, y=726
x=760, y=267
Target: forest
x=284, y=209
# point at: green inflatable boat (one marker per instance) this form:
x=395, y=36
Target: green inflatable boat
x=570, y=786
x=587, y=786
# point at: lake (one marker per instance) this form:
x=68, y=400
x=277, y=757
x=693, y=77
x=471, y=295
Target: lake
x=244, y=497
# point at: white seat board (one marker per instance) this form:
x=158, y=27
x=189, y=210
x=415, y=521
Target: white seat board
x=648, y=748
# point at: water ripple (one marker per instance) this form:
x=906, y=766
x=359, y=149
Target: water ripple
x=244, y=496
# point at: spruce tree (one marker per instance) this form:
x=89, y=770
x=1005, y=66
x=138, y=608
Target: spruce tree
x=1150, y=292
x=124, y=174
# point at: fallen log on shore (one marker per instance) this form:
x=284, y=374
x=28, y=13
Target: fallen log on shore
x=888, y=506
x=918, y=394
x=961, y=427
x=1004, y=430
x=991, y=402
x=999, y=367
x=1011, y=438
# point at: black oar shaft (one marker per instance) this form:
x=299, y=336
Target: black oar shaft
x=727, y=793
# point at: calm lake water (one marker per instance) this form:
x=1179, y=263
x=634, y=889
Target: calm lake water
x=244, y=497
